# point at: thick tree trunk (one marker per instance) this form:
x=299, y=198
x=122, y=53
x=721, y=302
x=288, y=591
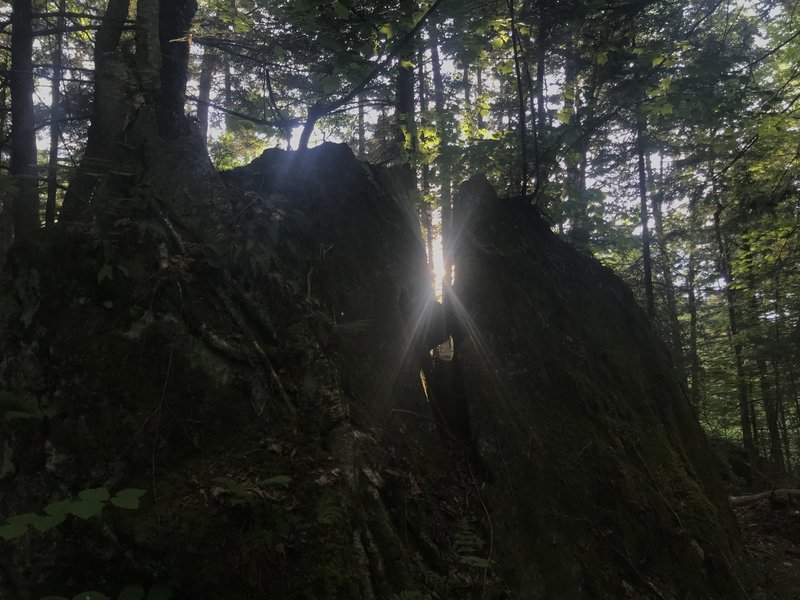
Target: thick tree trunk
x=23, y=131
x=109, y=111
x=55, y=118
x=404, y=106
x=174, y=21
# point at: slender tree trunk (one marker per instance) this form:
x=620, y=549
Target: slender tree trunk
x=657, y=201
x=207, y=68
x=55, y=118
x=523, y=133
x=6, y=208
x=772, y=416
x=768, y=398
x=694, y=359
x=362, y=136
x=576, y=162
x=227, y=83
x=541, y=54
x=746, y=417
x=641, y=148
x=777, y=357
x=443, y=166
x=479, y=77
x=426, y=216
x=540, y=119
x=23, y=132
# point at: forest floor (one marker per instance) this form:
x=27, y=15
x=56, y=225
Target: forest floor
x=770, y=524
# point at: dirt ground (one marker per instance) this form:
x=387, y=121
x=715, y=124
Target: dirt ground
x=770, y=524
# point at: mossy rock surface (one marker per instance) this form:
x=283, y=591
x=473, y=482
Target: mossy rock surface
x=263, y=386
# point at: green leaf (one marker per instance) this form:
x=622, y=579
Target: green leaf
x=659, y=60
x=45, y=522
x=159, y=592
x=387, y=30
x=128, y=498
x=90, y=596
x=329, y=84
x=602, y=58
x=95, y=495
x=341, y=10
x=58, y=509
x=12, y=532
x=24, y=520
x=132, y=592
x=86, y=509
x=106, y=272
x=278, y=480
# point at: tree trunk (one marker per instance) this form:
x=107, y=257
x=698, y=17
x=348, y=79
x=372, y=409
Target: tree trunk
x=207, y=68
x=406, y=133
x=479, y=83
x=6, y=208
x=694, y=359
x=55, y=119
x=745, y=413
x=541, y=54
x=175, y=19
x=768, y=397
x=362, y=135
x=673, y=326
x=426, y=216
x=522, y=129
x=444, y=178
x=23, y=131
x=641, y=148
x=109, y=111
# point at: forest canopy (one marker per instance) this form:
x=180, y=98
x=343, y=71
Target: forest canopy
x=661, y=137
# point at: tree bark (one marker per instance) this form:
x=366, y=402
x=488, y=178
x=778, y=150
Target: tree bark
x=665, y=263
x=207, y=68
x=694, y=359
x=406, y=133
x=55, y=120
x=108, y=111
x=362, y=135
x=745, y=412
x=175, y=19
x=426, y=216
x=643, y=216
x=443, y=167
x=523, y=134
x=23, y=131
